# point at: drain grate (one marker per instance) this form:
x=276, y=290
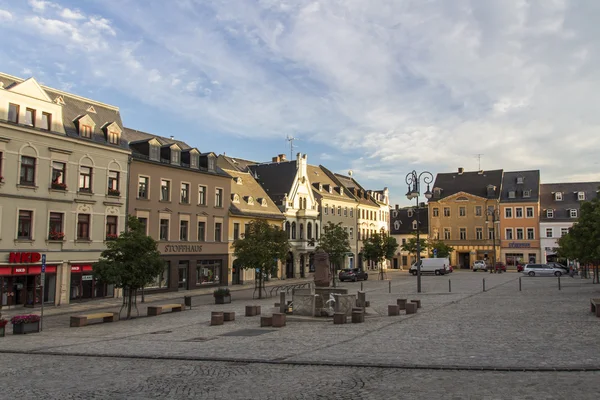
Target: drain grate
x=160, y=332
x=249, y=332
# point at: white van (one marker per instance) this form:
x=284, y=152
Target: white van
x=438, y=266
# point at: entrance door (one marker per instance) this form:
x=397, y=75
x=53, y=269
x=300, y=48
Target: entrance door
x=464, y=260
x=395, y=263
x=236, y=278
x=289, y=266
x=183, y=274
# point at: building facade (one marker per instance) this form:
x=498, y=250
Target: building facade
x=182, y=198
x=458, y=214
x=519, y=218
x=560, y=204
x=63, y=174
x=403, y=226
x=248, y=202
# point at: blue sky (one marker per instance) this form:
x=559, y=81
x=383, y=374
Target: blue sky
x=378, y=87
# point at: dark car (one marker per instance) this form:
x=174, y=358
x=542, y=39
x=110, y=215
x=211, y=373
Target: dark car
x=500, y=266
x=353, y=275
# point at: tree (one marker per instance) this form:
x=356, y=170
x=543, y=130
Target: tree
x=582, y=242
x=443, y=250
x=379, y=247
x=260, y=248
x=131, y=261
x=336, y=243
x=410, y=245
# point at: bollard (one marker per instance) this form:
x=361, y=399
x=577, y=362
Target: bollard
x=390, y=287
x=361, y=287
x=559, y=282
x=484, y=284
x=449, y=286
x=519, y=284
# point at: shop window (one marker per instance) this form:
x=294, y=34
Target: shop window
x=30, y=116
x=83, y=227
x=208, y=272
x=164, y=229
x=13, y=113
x=85, y=179
x=143, y=182
x=219, y=197
x=185, y=193
x=56, y=226
x=165, y=190
x=46, y=121
x=162, y=280
x=218, y=231
x=202, y=195
x=25, y=225
x=111, y=227
x=183, y=230
x=201, y=231
x=59, y=179
x=27, y=171
x=113, y=183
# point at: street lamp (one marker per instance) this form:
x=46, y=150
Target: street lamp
x=493, y=214
x=414, y=189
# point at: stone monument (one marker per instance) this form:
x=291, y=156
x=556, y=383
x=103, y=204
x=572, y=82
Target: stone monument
x=322, y=272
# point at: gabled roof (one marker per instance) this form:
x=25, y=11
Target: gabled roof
x=235, y=163
x=569, y=200
x=316, y=176
x=474, y=183
x=519, y=182
x=353, y=187
x=136, y=136
x=276, y=178
x=405, y=217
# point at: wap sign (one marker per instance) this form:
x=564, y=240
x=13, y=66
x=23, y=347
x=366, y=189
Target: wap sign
x=23, y=257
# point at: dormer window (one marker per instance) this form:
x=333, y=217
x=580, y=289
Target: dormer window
x=573, y=213
x=511, y=194
x=409, y=213
x=549, y=213
x=437, y=193
x=238, y=180
x=414, y=225
x=250, y=200
x=235, y=198
x=519, y=180
x=320, y=187
x=175, y=157
x=581, y=196
x=396, y=225
x=91, y=109
x=395, y=214
x=263, y=202
x=60, y=101
x=330, y=189
x=154, y=152
x=558, y=196
x=341, y=191
x=85, y=131
x=194, y=161
x=211, y=164
x=526, y=193
x=113, y=137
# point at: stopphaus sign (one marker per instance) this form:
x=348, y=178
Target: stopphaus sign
x=183, y=248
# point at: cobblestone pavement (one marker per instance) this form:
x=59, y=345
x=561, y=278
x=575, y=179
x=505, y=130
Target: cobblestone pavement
x=467, y=334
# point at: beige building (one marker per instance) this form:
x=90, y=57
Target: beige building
x=63, y=169
x=183, y=199
x=248, y=202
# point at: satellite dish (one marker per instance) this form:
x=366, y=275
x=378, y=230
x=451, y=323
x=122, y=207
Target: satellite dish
x=350, y=173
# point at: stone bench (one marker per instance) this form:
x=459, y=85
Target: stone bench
x=393, y=310
x=402, y=303
x=594, y=303
x=278, y=320
x=417, y=302
x=157, y=310
x=216, y=318
x=339, y=318
x=411, y=308
x=228, y=315
x=82, y=320
x=266, y=321
x=358, y=317
x=252, y=311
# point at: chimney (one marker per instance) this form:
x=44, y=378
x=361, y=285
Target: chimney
x=172, y=137
x=281, y=157
x=277, y=159
x=460, y=170
x=397, y=206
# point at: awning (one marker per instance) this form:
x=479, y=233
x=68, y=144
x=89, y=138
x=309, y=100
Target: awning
x=26, y=270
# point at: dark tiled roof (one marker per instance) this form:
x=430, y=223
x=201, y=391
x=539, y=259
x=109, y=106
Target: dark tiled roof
x=353, y=187
x=76, y=107
x=405, y=220
x=234, y=163
x=275, y=178
x=133, y=136
x=570, y=200
x=474, y=183
x=316, y=176
x=530, y=182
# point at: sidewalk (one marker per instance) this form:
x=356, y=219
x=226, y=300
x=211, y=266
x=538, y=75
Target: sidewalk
x=149, y=297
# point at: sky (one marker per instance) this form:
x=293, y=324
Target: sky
x=378, y=87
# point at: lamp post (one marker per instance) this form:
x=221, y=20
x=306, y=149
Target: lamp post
x=413, y=180
x=493, y=214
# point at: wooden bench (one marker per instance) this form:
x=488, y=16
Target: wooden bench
x=157, y=310
x=594, y=303
x=82, y=320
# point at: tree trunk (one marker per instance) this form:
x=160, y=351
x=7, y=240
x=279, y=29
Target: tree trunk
x=332, y=270
x=129, y=302
x=260, y=278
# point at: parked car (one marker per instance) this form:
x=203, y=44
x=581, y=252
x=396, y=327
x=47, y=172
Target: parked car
x=439, y=266
x=500, y=266
x=353, y=275
x=479, y=265
x=559, y=265
x=542, y=270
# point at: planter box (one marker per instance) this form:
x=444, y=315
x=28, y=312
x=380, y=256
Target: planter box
x=21, y=329
x=222, y=299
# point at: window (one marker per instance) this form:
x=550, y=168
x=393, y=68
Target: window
x=85, y=131
x=351, y=213
x=193, y=161
x=211, y=164
x=479, y=233
x=144, y=222
x=409, y=213
x=511, y=194
x=526, y=193
x=164, y=229
x=154, y=152
x=165, y=190
x=529, y=212
x=111, y=227
x=462, y=211
x=530, y=233
x=581, y=196
x=446, y=211
x=564, y=231
x=549, y=232
x=520, y=234
x=85, y=179
x=27, y=171
x=463, y=233
x=218, y=229
x=13, y=113
x=25, y=225
x=202, y=195
x=490, y=233
x=351, y=233
x=301, y=231
x=46, y=121
x=414, y=225
x=174, y=157
x=143, y=187
x=558, y=196
x=219, y=197
x=446, y=233
x=309, y=231
x=316, y=231
x=293, y=230
x=573, y=213
x=183, y=230
x=345, y=211
x=236, y=231
x=549, y=213
x=83, y=227
x=519, y=180
x=58, y=175
x=55, y=231
x=339, y=210
x=113, y=137
x=162, y=280
x=326, y=209
x=185, y=193
x=208, y=271
x=201, y=231
x=508, y=234
x=478, y=211
x=30, y=116
x=518, y=212
x=113, y=183
x=436, y=212
x=508, y=212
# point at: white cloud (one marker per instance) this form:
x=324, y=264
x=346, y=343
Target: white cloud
x=39, y=5
x=71, y=14
x=326, y=156
x=5, y=16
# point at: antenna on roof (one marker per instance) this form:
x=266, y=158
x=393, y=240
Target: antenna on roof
x=478, y=161
x=291, y=140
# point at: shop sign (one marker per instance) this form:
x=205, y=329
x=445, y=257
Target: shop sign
x=20, y=271
x=183, y=248
x=519, y=245
x=21, y=257
x=87, y=277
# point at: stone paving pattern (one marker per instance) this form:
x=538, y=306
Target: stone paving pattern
x=502, y=328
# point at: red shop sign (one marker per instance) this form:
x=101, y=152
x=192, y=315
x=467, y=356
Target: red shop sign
x=81, y=267
x=22, y=257
x=20, y=271
x=75, y=268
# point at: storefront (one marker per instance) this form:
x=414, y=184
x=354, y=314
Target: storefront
x=520, y=253
x=84, y=286
x=20, y=281
x=185, y=272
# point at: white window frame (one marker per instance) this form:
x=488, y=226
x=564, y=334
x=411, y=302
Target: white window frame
x=549, y=213
x=435, y=212
x=479, y=233
x=222, y=192
x=533, y=234
x=558, y=196
x=517, y=209
x=581, y=196
x=522, y=234
x=508, y=236
x=508, y=212
x=170, y=189
x=551, y=231
x=564, y=231
x=527, y=209
x=184, y=219
x=205, y=195
x=189, y=193
x=573, y=213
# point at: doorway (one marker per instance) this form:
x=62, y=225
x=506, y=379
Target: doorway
x=183, y=274
x=464, y=260
x=289, y=266
x=236, y=277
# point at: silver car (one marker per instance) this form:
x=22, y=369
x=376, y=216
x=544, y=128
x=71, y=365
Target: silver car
x=542, y=270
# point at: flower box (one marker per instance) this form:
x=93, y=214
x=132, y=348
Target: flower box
x=114, y=192
x=59, y=186
x=23, y=324
x=112, y=236
x=3, y=323
x=53, y=235
x=223, y=299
